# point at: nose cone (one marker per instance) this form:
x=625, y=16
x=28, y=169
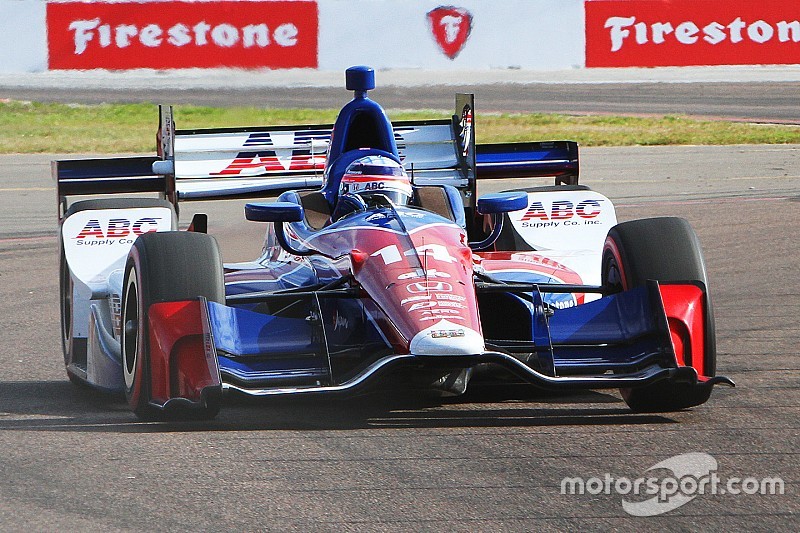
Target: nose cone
x=447, y=338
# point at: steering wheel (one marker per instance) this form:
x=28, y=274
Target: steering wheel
x=378, y=200
x=346, y=204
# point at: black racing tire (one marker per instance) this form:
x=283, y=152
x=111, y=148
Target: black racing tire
x=75, y=349
x=121, y=203
x=164, y=267
x=661, y=249
x=69, y=345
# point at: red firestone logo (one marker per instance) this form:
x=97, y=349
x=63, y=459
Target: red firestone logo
x=450, y=27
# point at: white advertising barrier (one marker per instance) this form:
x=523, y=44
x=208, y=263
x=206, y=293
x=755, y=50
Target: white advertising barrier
x=429, y=35
x=462, y=35
x=23, y=40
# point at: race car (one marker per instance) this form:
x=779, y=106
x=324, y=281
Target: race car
x=381, y=266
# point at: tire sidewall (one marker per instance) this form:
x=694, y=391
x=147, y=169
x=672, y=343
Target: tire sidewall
x=135, y=372
x=65, y=300
x=612, y=258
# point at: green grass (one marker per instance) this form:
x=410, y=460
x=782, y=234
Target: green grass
x=629, y=131
x=59, y=128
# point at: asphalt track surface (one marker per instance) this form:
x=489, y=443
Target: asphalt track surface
x=493, y=460
x=761, y=102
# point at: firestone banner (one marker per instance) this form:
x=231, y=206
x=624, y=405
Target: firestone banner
x=654, y=33
x=127, y=35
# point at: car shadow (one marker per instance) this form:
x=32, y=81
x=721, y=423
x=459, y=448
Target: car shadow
x=62, y=406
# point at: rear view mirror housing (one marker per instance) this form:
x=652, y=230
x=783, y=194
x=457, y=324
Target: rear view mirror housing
x=273, y=212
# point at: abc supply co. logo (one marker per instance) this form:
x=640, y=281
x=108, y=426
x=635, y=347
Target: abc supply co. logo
x=450, y=27
x=670, y=484
x=172, y=34
x=115, y=231
x=562, y=213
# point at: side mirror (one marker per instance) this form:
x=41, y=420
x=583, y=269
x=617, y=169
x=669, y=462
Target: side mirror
x=502, y=202
x=274, y=212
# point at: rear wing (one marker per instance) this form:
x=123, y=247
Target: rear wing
x=210, y=163
x=118, y=175
x=556, y=159
x=113, y=175
x=254, y=161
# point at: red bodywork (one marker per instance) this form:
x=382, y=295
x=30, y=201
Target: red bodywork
x=686, y=312
x=417, y=287
x=181, y=366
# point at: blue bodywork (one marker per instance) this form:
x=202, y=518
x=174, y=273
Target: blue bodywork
x=622, y=333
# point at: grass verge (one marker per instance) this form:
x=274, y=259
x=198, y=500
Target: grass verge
x=27, y=127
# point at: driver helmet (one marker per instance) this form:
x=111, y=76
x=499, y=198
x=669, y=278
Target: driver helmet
x=375, y=175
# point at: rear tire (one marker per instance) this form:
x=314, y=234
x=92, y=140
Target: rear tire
x=661, y=249
x=74, y=349
x=164, y=267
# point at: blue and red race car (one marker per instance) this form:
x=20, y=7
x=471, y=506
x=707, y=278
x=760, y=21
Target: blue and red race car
x=380, y=264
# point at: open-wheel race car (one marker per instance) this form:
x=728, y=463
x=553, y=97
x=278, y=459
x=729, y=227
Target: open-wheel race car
x=380, y=265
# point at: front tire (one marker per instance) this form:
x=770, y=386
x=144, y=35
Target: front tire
x=164, y=267
x=661, y=249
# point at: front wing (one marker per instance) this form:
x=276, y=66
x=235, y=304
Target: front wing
x=624, y=340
